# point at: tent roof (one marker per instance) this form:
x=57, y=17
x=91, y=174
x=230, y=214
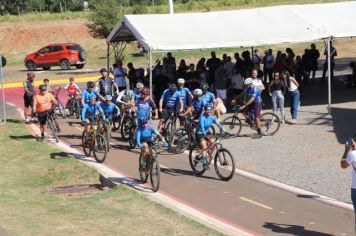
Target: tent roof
x=239, y=28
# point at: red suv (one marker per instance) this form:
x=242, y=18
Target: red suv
x=64, y=55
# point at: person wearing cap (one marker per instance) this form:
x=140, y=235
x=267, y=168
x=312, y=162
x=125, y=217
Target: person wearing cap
x=144, y=105
x=28, y=86
x=43, y=104
x=120, y=74
x=105, y=83
x=197, y=105
x=253, y=103
x=169, y=103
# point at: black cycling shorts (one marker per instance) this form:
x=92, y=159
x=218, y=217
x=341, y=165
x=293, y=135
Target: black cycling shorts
x=28, y=100
x=166, y=114
x=42, y=117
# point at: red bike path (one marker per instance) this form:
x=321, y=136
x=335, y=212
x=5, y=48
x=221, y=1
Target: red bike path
x=252, y=205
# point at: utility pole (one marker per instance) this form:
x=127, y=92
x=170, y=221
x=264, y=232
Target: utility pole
x=170, y=4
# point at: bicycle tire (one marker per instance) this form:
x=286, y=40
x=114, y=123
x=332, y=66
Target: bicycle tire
x=154, y=174
x=86, y=147
x=196, y=165
x=61, y=110
x=53, y=128
x=132, y=141
x=179, y=141
x=77, y=109
x=223, y=157
x=143, y=174
x=100, y=147
x=126, y=128
x=107, y=135
x=269, y=120
x=116, y=123
x=70, y=107
x=232, y=123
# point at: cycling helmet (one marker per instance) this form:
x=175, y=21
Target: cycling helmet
x=90, y=84
x=208, y=106
x=181, y=81
x=43, y=87
x=145, y=91
x=204, y=86
x=248, y=81
x=31, y=75
x=173, y=87
x=142, y=120
x=197, y=92
x=108, y=98
x=102, y=70
x=139, y=86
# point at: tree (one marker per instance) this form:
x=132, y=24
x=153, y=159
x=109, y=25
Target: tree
x=104, y=17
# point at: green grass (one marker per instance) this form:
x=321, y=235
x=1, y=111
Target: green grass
x=27, y=175
x=45, y=16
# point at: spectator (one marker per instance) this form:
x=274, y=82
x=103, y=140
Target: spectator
x=167, y=70
x=256, y=81
x=269, y=65
x=238, y=62
x=247, y=64
x=202, y=74
x=224, y=58
x=280, y=64
x=193, y=78
x=256, y=59
x=351, y=79
x=28, y=96
x=294, y=95
x=131, y=75
x=237, y=82
x=333, y=54
x=277, y=89
x=228, y=66
x=140, y=76
x=298, y=71
x=264, y=62
x=171, y=61
x=161, y=82
x=48, y=87
x=220, y=82
x=106, y=83
x=306, y=65
x=201, y=64
x=290, y=60
x=212, y=63
x=314, y=56
x=119, y=76
x=182, y=69
x=349, y=158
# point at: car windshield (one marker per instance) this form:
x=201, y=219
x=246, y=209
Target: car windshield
x=74, y=47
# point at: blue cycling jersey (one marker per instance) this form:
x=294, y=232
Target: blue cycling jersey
x=91, y=111
x=185, y=95
x=87, y=95
x=254, y=92
x=208, y=97
x=205, y=122
x=170, y=100
x=144, y=107
x=198, y=106
x=145, y=134
x=136, y=94
x=109, y=109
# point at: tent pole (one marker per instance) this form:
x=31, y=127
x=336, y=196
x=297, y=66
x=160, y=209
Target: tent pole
x=150, y=71
x=329, y=76
x=252, y=54
x=3, y=94
x=108, y=59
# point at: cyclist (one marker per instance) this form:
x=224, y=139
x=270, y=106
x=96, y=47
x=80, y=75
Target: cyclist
x=169, y=103
x=209, y=97
x=90, y=93
x=144, y=138
x=110, y=109
x=105, y=83
x=72, y=88
x=126, y=97
x=206, y=120
x=28, y=96
x=144, y=105
x=46, y=83
x=91, y=113
x=253, y=103
x=185, y=95
x=43, y=104
x=137, y=91
x=197, y=106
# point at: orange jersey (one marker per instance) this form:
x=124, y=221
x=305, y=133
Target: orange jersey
x=44, y=102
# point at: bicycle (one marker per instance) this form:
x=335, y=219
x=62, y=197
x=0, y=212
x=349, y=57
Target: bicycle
x=170, y=125
x=270, y=122
x=74, y=106
x=223, y=160
x=152, y=168
x=95, y=142
x=127, y=125
x=51, y=125
x=59, y=107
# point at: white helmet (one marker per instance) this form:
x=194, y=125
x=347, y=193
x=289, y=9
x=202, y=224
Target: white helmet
x=248, y=81
x=197, y=92
x=181, y=81
x=139, y=85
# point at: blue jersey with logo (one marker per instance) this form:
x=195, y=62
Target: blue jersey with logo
x=91, y=111
x=185, y=95
x=144, y=107
x=254, y=92
x=145, y=134
x=87, y=95
x=198, y=106
x=136, y=94
x=170, y=100
x=109, y=109
x=205, y=122
x=208, y=97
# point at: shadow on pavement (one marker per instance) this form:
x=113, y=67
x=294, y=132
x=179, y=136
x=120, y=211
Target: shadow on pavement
x=131, y=182
x=14, y=121
x=71, y=136
x=343, y=121
x=63, y=155
x=21, y=137
x=292, y=229
x=178, y=172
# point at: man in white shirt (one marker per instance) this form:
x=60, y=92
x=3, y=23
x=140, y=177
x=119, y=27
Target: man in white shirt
x=120, y=76
x=349, y=159
x=269, y=65
x=256, y=81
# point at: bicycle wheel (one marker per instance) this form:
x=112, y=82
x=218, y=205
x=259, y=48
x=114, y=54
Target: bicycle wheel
x=195, y=160
x=179, y=141
x=107, y=135
x=126, y=128
x=270, y=123
x=143, y=173
x=61, y=110
x=224, y=164
x=100, y=149
x=86, y=143
x=132, y=141
x=232, y=125
x=154, y=174
x=77, y=109
x=116, y=123
x=53, y=128
x=70, y=107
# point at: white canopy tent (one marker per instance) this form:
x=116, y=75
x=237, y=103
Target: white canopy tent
x=239, y=28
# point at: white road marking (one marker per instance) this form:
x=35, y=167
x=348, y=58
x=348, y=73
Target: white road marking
x=10, y=104
x=256, y=203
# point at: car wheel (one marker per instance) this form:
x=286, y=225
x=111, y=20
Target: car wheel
x=30, y=65
x=65, y=65
x=46, y=67
x=80, y=66
x=82, y=55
